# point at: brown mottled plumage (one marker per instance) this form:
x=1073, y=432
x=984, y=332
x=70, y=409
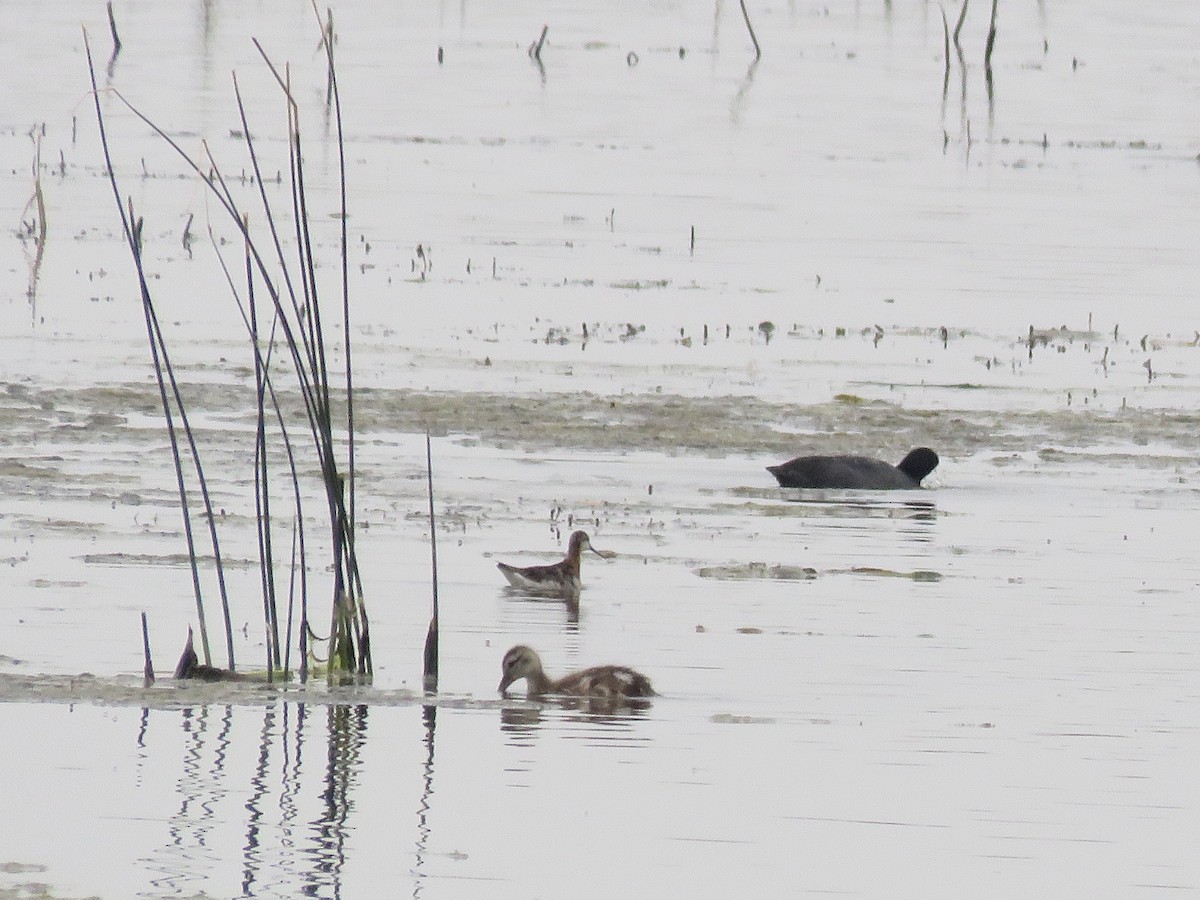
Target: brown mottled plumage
x=606, y=682
x=561, y=579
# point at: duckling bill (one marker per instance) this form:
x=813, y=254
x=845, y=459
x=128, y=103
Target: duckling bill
x=603, y=682
x=856, y=472
x=558, y=579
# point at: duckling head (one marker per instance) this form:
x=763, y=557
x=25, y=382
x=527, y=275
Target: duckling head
x=519, y=662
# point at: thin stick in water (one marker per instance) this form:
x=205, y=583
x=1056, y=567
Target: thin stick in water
x=750, y=28
x=431, y=637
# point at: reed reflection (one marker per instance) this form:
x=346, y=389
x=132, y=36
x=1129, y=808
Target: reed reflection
x=347, y=732
x=739, y=99
x=254, y=806
x=429, y=716
x=282, y=851
x=187, y=857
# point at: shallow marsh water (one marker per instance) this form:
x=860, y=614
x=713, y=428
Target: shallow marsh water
x=989, y=688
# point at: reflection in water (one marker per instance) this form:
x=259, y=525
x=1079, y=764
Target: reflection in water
x=914, y=518
x=604, y=714
x=291, y=767
x=347, y=735
x=270, y=856
x=917, y=514
x=535, y=54
x=735, y=108
x=520, y=724
x=251, y=861
x=570, y=604
x=521, y=612
x=187, y=856
x=429, y=715
x=716, y=33
x=600, y=721
x=859, y=506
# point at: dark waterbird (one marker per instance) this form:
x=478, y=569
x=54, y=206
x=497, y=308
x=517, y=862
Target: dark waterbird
x=856, y=472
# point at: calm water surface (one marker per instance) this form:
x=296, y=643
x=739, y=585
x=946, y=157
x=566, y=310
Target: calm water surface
x=989, y=688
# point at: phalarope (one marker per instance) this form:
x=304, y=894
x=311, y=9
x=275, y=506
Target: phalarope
x=560, y=579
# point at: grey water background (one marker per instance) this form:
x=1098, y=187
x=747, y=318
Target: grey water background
x=988, y=688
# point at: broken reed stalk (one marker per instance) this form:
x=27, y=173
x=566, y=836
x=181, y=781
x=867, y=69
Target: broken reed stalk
x=163, y=372
x=750, y=28
x=962, y=17
x=148, y=670
x=430, y=679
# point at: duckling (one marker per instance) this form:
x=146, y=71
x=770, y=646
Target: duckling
x=559, y=579
x=607, y=682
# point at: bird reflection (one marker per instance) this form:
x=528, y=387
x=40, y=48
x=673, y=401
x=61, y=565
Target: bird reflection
x=832, y=504
x=520, y=723
x=590, y=717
